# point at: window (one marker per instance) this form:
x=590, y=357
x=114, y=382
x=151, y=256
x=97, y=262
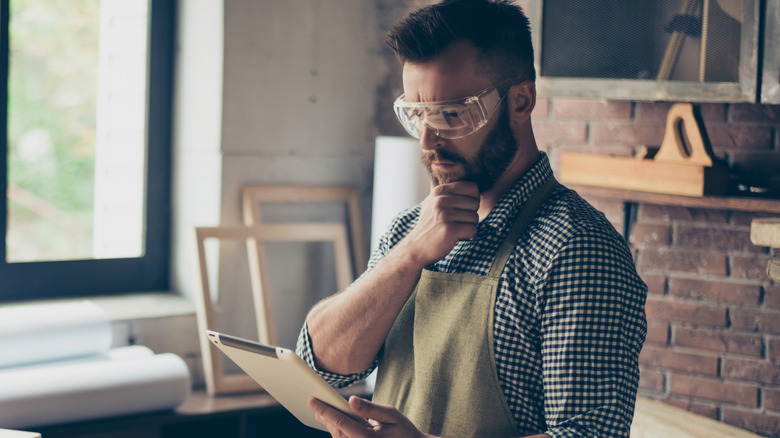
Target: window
x=85, y=146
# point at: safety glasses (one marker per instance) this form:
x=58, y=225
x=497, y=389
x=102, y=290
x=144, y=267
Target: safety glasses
x=450, y=119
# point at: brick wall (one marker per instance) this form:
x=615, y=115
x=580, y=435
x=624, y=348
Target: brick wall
x=713, y=342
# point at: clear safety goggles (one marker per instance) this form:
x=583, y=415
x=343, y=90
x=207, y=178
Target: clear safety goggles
x=449, y=119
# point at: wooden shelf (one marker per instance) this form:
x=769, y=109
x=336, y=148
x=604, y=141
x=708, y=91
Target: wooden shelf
x=758, y=205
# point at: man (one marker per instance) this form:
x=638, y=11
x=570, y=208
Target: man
x=504, y=304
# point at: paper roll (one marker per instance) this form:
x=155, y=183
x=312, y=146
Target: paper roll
x=47, y=332
x=128, y=380
x=129, y=352
x=400, y=181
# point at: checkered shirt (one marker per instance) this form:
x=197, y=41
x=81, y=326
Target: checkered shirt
x=569, y=315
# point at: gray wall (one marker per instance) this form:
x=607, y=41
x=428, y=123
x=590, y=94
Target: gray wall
x=270, y=92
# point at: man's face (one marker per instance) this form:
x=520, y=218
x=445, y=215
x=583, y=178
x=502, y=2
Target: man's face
x=482, y=156
x=491, y=159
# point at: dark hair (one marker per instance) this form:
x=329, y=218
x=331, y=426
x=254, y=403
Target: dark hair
x=498, y=28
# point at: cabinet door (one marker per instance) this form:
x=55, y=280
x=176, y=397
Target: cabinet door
x=770, y=82
x=665, y=50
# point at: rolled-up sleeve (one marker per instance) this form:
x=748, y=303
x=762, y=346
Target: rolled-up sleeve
x=304, y=351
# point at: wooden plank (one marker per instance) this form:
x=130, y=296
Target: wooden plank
x=681, y=117
x=642, y=175
x=765, y=232
x=254, y=196
x=773, y=269
x=757, y=205
x=654, y=419
x=217, y=382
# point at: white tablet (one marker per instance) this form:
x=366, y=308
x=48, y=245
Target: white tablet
x=283, y=374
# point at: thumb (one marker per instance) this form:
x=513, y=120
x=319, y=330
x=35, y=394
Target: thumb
x=377, y=412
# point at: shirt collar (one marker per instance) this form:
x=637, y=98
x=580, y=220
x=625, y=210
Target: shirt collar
x=517, y=196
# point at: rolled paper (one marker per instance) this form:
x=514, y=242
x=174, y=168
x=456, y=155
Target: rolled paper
x=47, y=332
x=127, y=380
x=400, y=181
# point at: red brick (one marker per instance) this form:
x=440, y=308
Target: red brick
x=773, y=350
x=758, y=320
x=652, y=112
x=644, y=235
x=656, y=283
x=712, y=113
x=550, y=133
x=713, y=389
x=719, y=341
x=772, y=296
x=541, y=109
x=707, y=237
x=715, y=291
x=745, y=218
x=657, y=333
x=706, y=409
x=682, y=260
x=688, y=313
x=767, y=424
x=727, y=137
x=651, y=212
x=669, y=360
x=750, y=370
x=749, y=266
x=771, y=398
x=626, y=133
x=651, y=380
x=586, y=109
x=754, y=113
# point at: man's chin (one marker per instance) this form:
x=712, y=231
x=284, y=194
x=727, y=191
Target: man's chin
x=439, y=178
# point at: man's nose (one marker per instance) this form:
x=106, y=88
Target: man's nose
x=428, y=139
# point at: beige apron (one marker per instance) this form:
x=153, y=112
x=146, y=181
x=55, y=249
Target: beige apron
x=438, y=366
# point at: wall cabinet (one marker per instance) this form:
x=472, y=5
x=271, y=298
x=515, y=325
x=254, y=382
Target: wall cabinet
x=666, y=50
x=770, y=83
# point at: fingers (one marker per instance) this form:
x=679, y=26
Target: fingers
x=459, y=194
x=335, y=420
x=456, y=202
x=465, y=191
x=381, y=413
x=385, y=420
x=455, y=206
x=449, y=214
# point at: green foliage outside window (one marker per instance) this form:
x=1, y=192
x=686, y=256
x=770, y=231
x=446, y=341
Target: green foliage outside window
x=51, y=128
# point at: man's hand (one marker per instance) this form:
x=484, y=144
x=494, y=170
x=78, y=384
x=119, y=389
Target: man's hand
x=448, y=214
x=348, y=329
x=383, y=421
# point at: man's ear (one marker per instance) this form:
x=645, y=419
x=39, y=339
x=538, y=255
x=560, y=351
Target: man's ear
x=522, y=100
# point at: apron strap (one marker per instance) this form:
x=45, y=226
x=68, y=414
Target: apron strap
x=524, y=218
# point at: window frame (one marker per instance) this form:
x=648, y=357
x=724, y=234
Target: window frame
x=79, y=278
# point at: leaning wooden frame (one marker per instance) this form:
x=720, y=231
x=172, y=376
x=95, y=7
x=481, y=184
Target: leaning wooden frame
x=217, y=382
x=252, y=198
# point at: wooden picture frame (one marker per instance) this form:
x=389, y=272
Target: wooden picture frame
x=217, y=382
x=252, y=198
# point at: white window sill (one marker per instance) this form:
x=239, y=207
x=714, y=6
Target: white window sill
x=131, y=307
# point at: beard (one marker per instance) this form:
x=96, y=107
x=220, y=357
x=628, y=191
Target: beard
x=492, y=159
